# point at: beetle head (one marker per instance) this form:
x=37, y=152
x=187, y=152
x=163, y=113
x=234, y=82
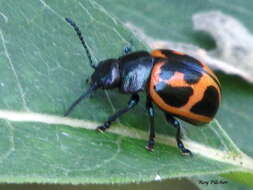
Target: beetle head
x=106, y=74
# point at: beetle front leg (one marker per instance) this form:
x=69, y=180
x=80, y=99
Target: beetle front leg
x=131, y=103
x=177, y=125
x=150, y=109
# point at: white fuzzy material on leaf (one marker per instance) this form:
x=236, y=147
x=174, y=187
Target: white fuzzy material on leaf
x=234, y=52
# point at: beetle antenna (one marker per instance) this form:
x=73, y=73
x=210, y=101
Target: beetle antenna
x=73, y=24
x=78, y=100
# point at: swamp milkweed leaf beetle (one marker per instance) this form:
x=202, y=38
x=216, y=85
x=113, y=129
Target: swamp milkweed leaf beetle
x=178, y=84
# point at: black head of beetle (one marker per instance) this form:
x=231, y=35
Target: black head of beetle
x=106, y=74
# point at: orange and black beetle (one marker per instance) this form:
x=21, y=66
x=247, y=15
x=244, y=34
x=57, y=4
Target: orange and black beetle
x=179, y=84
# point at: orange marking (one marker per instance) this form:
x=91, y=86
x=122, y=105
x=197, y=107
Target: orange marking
x=157, y=53
x=178, y=52
x=177, y=80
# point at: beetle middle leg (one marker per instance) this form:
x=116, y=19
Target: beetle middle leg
x=131, y=103
x=177, y=125
x=151, y=113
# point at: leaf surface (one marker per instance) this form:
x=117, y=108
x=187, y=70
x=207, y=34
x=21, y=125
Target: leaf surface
x=44, y=68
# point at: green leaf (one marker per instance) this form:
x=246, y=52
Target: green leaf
x=44, y=69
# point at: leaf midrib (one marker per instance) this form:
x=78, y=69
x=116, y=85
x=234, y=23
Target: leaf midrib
x=238, y=159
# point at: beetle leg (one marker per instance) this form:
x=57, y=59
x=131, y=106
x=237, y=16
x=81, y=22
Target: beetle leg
x=127, y=50
x=131, y=103
x=151, y=113
x=177, y=125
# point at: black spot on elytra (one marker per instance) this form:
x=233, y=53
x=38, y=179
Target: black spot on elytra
x=187, y=65
x=173, y=96
x=185, y=58
x=192, y=77
x=209, y=104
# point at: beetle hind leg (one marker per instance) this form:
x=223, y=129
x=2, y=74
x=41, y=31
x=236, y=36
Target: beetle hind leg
x=177, y=125
x=150, y=109
x=131, y=103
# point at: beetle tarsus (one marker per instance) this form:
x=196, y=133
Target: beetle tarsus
x=184, y=150
x=177, y=125
x=150, y=145
x=100, y=129
x=104, y=127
